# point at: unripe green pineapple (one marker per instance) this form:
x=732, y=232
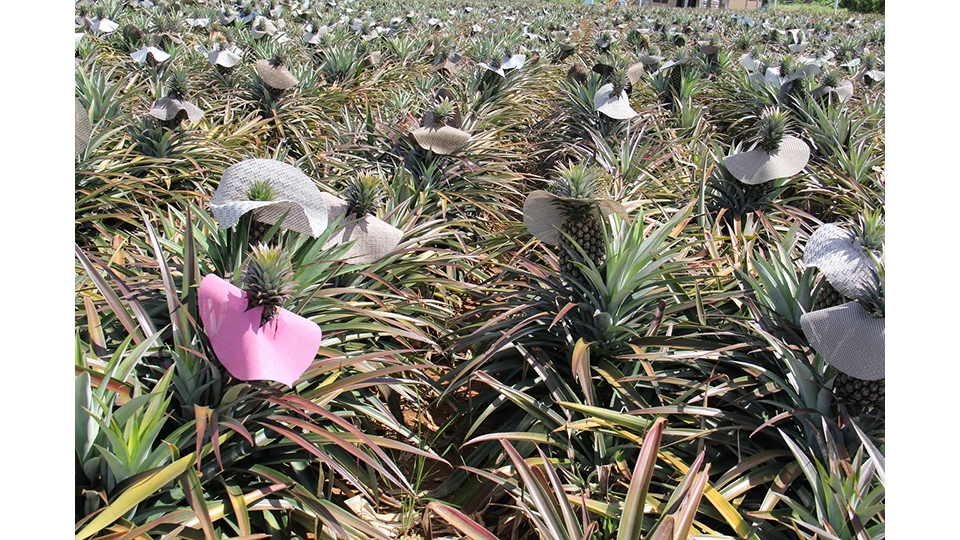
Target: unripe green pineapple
x=363, y=194
x=577, y=73
x=268, y=281
x=858, y=391
x=676, y=79
x=827, y=296
x=583, y=224
x=259, y=190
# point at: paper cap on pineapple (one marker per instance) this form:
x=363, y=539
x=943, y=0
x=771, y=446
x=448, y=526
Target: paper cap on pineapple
x=709, y=49
x=141, y=55
x=82, y=128
x=167, y=108
x=873, y=75
x=372, y=237
x=223, y=57
x=296, y=193
x=262, y=26
x=843, y=90
x=749, y=63
x=616, y=106
x=635, y=72
x=441, y=138
x=849, y=339
x=446, y=63
x=226, y=16
x=104, y=26
x=315, y=35
x=280, y=350
x=514, y=61
x=837, y=253
x=543, y=216
x=650, y=60
x=758, y=166
x=275, y=75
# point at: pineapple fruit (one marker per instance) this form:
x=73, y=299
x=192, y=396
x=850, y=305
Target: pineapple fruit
x=870, y=233
x=268, y=281
x=847, y=388
x=579, y=187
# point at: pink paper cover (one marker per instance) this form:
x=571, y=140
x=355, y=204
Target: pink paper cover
x=280, y=350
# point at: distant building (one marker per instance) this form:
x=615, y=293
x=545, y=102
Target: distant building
x=743, y=4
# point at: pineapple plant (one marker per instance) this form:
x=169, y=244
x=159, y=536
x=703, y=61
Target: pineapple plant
x=864, y=247
x=777, y=154
x=268, y=280
x=275, y=76
x=570, y=214
x=174, y=108
x=750, y=180
x=369, y=238
x=577, y=187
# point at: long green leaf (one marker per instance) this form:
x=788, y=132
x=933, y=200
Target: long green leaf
x=135, y=495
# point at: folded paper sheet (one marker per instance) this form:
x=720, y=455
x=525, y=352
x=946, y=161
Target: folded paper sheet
x=281, y=350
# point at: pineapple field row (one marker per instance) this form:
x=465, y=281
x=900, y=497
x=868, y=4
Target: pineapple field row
x=347, y=269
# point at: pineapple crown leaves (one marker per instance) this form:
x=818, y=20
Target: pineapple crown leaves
x=788, y=65
x=873, y=285
x=620, y=83
x=831, y=78
x=364, y=194
x=871, y=229
x=443, y=110
x=578, y=181
x=772, y=127
x=278, y=59
x=177, y=83
x=614, y=76
x=261, y=190
x=268, y=280
x=744, y=41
